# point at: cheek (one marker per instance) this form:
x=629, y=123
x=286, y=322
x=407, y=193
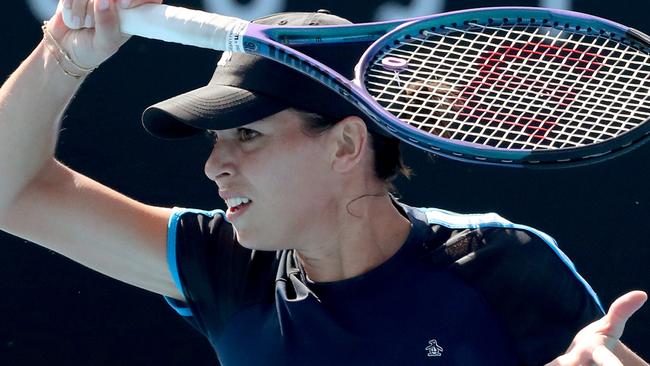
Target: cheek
x=297, y=181
x=286, y=210
x=293, y=166
x=294, y=189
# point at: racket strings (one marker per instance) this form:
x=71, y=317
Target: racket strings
x=513, y=124
x=507, y=123
x=442, y=94
x=549, y=82
x=545, y=121
x=517, y=87
x=537, y=86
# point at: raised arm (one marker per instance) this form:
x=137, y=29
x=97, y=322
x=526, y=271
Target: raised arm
x=47, y=203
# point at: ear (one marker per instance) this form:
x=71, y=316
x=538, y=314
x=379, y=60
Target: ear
x=349, y=138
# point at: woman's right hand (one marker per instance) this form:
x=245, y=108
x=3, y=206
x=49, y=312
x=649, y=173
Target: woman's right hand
x=94, y=35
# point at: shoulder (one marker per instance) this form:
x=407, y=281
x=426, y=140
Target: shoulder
x=201, y=231
x=487, y=222
x=531, y=285
x=468, y=234
x=189, y=219
x=473, y=241
x=194, y=234
x=216, y=274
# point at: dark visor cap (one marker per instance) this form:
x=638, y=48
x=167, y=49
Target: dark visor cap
x=246, y=88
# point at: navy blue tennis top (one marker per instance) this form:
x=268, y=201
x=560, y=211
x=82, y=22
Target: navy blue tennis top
x=462, y=290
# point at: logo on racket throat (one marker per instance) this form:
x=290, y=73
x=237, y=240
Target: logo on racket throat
x=226, y=56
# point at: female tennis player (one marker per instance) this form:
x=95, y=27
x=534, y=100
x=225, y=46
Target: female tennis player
x=314, y=261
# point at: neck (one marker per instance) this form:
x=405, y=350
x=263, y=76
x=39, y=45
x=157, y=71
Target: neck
x=366, y=233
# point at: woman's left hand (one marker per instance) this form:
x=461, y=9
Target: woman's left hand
x=599, y=342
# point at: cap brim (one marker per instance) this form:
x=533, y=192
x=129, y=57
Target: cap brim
x=212, y=107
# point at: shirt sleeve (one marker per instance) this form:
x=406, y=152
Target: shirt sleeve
x=533, y=287
x=213, y=272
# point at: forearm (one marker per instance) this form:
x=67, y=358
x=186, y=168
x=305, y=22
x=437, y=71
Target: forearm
x=627, y=356
x=32, y=102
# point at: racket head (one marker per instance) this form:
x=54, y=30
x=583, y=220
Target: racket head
x=555, y=38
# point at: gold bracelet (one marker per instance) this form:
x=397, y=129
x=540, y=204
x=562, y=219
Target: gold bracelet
x=59, y=54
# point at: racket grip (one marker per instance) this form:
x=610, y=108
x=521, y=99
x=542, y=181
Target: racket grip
x=180, y=25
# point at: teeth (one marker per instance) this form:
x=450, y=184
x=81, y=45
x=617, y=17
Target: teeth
x=236, y=201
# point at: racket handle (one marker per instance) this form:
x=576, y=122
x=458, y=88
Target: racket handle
x=180, y=25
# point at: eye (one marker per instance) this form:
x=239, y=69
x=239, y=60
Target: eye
x=246, y=134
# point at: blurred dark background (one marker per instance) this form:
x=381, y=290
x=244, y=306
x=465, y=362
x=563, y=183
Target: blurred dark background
x=56, y=312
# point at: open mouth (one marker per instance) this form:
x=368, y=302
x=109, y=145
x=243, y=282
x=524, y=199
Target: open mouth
x=236, y=206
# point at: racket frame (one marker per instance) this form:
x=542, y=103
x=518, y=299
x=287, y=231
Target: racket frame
x=275, y=43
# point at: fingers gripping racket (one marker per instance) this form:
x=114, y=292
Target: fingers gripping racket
x=506, y=86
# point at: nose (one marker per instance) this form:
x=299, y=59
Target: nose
x=220, y=163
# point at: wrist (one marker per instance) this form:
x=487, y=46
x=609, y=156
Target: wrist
x=47, y=75
x=65, y=63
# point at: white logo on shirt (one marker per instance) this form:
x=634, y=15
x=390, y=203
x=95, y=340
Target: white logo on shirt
x=434, y=349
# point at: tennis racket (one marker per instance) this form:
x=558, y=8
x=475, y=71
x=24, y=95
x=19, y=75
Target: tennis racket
x=511, y=86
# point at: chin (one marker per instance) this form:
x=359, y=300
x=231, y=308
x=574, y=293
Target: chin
x=248, y=241
x=255, y=242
